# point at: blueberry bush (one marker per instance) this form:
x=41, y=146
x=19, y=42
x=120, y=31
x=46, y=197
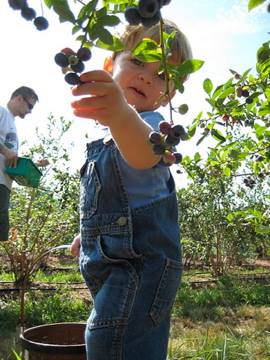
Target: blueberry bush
x=236, y=166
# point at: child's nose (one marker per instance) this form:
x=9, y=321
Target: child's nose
x=146, y=77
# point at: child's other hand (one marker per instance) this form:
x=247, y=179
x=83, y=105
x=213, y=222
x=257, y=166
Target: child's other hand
x=104, y=99
x=42, y=163
x=76, y=245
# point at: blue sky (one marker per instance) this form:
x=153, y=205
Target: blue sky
x=221, y=32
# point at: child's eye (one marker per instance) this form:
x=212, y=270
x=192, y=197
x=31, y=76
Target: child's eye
x=137, y=61
x=162, y=75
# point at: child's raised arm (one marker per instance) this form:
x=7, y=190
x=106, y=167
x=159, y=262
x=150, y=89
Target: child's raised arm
x=103, y=100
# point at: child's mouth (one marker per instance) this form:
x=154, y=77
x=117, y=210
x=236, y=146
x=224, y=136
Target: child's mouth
x=138, y=91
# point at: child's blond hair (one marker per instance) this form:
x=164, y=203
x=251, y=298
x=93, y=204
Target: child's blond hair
x=180, y=47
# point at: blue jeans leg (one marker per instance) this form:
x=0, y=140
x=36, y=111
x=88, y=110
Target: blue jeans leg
x=4, y=207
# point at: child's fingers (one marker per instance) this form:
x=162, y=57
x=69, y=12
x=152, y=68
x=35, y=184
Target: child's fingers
x=89, y=102
x=93, y=88
x=91, y=113
x=96, y=75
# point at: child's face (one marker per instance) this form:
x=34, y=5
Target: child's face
x=143, y=87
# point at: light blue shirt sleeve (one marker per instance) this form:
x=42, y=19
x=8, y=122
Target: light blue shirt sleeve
x=152, y=118
x=148, y=185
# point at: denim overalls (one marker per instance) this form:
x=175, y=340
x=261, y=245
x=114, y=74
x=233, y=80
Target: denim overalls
x=131, y=262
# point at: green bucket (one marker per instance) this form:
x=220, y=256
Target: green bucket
x=26, y=173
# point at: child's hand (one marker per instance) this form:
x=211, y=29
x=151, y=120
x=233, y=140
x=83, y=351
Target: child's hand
x=76, y=245
x=104, y=100
x=42, y=163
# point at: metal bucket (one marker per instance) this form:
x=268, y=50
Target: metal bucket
x=59, y=341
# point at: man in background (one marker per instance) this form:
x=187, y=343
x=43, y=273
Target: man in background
x=21, y=103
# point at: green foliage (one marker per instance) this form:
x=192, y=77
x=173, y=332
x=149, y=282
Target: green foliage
x=238, y=120
x=252, y=4
x=214, y=303
x=221, y=221
x=48, y=216
x=42, y=309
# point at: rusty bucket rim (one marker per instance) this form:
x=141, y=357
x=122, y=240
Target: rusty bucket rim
x=51, y=348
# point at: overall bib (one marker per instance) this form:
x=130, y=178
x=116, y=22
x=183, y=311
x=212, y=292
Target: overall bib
x=130, y=260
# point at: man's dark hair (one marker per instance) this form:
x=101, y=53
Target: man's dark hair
x=25, y=92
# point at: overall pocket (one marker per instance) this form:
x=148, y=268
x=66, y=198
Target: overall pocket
x=166, y=291
x=89, y=189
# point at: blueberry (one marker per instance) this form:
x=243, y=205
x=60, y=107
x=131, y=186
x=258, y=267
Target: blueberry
x=72, y=78
x=155, y=137
x=84, y=54
x=178, y=131
x=79, y=67
x=148, y=8
x=164, y=2
x=178, y=157
x=245, y=93
x=148, y=22
x=239, y=92
x=183, y=109
x=73, y=59
x=169, y=158
x=132, y=16
x=158, y=149
x=41, y=23
x=68, y=51
x=28, y=13
x=61, y=60
x=17, y=4
x=164, y=127
x=171, y=140
x=249, y=100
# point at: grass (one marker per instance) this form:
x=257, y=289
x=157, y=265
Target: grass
x=244, y=336
x=217, y=302
x=228, y=321
x=55, y=277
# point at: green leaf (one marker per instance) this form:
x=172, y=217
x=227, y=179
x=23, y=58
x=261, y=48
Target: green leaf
x=252, y=4
x=201, y=139
x=226, y=171
x=262, y=229
x=216, y=134
x=208, y=86
x=61, y=7
x=188, y=67
x=109, y=20
x=105, y=36
x=147, y=50
x=48, y=3
x=17, y=357
x=197, y=157
x=87, y=10
x=217, y=91
x=116, y=45
x=192, y=130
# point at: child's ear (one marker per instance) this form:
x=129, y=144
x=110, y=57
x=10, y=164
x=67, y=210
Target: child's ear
x=165, y=99
x=108, y=64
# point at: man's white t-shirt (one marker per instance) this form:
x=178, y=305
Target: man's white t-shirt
x=8, y=137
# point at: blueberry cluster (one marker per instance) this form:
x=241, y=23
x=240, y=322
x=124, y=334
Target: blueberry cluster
x=245, y=93
x=164, y=141
x=146, y=13
x=28, y=13
x=249, y=182
x=72, y=63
